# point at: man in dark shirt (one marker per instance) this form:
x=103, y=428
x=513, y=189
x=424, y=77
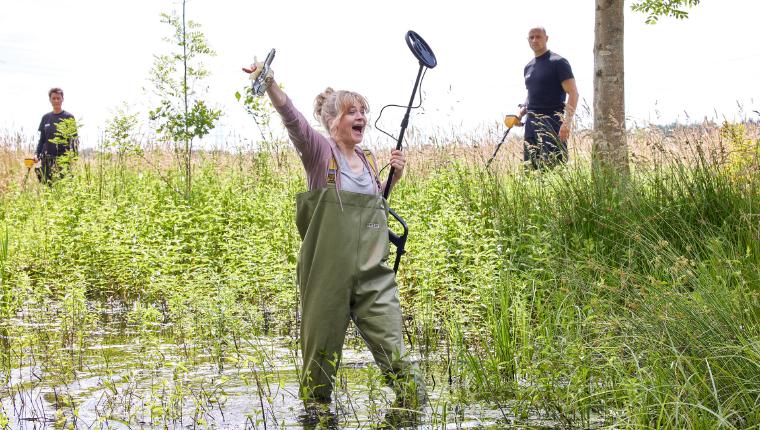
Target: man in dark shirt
x=55, y=142
x=549, y=80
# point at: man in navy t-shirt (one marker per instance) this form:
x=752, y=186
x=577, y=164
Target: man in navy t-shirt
x=549, y=80
x=53, y=142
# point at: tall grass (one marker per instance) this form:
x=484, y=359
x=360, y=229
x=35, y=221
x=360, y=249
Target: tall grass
x=642, y=296
x=555, y=295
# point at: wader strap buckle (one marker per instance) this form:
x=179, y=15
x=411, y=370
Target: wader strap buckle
x=332, y=169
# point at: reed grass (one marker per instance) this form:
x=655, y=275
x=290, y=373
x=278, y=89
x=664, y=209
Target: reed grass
x=556, y=296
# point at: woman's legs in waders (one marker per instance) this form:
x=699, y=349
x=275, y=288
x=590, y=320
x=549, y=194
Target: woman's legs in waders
x=375, y=309
x=324, y=321
x=377, y=314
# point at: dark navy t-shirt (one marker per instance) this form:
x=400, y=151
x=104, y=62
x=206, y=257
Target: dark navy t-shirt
x=543, y=79
x=47, y=131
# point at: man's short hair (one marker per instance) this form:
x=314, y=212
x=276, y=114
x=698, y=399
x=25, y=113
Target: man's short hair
x=55, y=90
x=538, y=27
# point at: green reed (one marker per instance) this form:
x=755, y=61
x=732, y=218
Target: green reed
x=643, y=309
x=557, y=295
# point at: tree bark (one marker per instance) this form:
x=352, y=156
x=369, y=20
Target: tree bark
x=610, y=149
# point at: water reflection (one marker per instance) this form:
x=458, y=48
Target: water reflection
x=401, y=419
x=318, y=416
x=313, y=417
x=116, y=380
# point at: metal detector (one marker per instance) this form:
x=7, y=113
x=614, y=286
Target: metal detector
x=259, y=83
x=510, y=121
x=425, y=56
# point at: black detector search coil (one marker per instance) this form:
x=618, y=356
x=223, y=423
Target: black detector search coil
x=420, y=49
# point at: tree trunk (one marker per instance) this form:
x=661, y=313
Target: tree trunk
x=185, y=90
x=610, y=149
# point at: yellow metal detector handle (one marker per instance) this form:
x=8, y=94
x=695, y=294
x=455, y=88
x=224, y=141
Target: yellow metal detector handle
x=511, y=120
x=28, y=163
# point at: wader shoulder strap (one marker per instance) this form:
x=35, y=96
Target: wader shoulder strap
x=373, y=165
x=372, y=162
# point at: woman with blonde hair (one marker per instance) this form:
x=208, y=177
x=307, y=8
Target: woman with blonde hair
x=342, y=269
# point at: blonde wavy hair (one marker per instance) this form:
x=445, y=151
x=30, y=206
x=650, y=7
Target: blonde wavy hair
x=331, y=105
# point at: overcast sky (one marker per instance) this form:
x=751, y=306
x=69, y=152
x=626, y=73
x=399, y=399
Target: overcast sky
x=100, y=53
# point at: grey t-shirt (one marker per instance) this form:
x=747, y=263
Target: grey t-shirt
x=355, y=182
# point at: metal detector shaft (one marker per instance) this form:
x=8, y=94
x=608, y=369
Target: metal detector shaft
x=404, y=123
x=400, y=241
x=497, y=147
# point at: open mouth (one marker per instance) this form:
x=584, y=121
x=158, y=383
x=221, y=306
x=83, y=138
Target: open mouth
x=358, y=128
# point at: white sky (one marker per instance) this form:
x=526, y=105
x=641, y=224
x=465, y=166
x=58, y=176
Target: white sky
x=100, y=52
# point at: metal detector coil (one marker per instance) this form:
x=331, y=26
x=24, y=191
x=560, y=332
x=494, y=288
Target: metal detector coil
x=420, y=49
x=260, y=85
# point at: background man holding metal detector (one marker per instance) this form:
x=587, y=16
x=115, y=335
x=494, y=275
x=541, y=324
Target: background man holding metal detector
x=54, y=142
x=549, y=80
x=342, y=267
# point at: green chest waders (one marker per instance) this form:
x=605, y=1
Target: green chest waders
x=343, y=275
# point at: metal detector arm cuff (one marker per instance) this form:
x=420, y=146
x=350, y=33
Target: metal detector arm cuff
x=398, y=241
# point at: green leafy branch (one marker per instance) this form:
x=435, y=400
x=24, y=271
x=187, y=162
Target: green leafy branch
x=657, y=8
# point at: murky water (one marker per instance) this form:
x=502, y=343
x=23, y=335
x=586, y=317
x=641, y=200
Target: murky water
x=118, y=379
x=179, y=395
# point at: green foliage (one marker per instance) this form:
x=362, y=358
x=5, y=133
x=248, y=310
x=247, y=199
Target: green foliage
x=586, y=293
x=259, y=108
x=66, y=133
x=744, y=158
x=120, y=133
x=182, y=115
x=184, y=126
x=551, y=295
x=640, y=266
x=657, y=8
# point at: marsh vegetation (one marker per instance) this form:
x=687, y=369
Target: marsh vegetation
x=561, y=299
